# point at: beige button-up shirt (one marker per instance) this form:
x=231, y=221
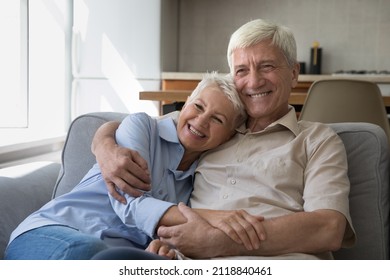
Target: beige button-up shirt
x=288, y=167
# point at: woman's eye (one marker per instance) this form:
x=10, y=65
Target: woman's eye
x=218, y=120
x=198, y=106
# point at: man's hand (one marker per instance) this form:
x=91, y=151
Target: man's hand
x=239, y=225
x=121, y=168
x=196, y=238
x=127, y=171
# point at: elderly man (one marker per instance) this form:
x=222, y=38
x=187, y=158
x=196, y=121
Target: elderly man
x=292, y=173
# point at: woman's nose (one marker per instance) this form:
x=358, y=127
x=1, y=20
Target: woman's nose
x=203, y=120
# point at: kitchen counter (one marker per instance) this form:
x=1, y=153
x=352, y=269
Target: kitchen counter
x=381, y=79
x=189, y=80
x=176, y=86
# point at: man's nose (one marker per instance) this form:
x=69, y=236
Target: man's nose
x=256, y=79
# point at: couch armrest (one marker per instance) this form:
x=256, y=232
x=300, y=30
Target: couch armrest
x=23, y=189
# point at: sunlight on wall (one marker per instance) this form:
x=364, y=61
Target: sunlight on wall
x=123, y=81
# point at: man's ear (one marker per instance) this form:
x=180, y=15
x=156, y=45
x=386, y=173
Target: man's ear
x=295, y=75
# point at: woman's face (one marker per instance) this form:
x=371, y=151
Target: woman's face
x=207, y=121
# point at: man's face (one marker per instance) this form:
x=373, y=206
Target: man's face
x=264, y=80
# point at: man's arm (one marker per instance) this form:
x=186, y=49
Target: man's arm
x=121, y=167
x=238, y=225
x=304, y=232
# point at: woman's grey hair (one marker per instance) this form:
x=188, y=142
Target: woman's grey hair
x=260, y=30
x=226, y=84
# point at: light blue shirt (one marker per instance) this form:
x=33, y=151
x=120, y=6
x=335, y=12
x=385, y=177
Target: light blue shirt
x=90, y=209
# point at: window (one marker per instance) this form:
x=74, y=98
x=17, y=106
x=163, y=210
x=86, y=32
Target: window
x=36, y=76
x=13, y=67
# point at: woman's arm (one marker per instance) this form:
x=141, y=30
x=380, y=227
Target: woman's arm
x=137, y=132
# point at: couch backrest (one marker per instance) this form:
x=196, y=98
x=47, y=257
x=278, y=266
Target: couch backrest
x=368, y=170
x=77, y=157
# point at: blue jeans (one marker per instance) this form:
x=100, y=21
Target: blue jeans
x=54, y=243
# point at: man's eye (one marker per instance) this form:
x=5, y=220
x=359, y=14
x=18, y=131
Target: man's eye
x=267, y=67
x=240, y=72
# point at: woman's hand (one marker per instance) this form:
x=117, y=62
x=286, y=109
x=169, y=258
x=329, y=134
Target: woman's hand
x=160, y=248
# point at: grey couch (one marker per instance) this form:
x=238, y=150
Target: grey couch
x=25, y=188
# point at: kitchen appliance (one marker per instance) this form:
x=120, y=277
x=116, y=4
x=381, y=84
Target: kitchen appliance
x=115, y=55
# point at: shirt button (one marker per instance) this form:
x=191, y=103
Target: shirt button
x=160, y=192
x=225, y=196
x=233, y=182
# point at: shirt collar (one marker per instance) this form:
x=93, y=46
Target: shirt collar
x=288, y=121
x=167, y=128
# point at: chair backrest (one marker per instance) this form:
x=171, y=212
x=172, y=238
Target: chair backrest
x=367, y=151
x=345, y=100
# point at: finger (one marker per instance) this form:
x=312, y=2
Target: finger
x=188, y=212
x=114, y=193
x=127, y=188
x=133, y=176
x=245, y=233
x=229, y=231
x=164, y=250
x=253, y=228
x=171, y=254
x=152, y=248
x=139, y=167
x=129, y=180
x=257, y=224
x=239, y=227
x=140, y=161
x=164, y=232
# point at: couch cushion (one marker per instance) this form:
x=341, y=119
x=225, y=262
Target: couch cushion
x=77, y=157
x=24, y=189
x=368, y=169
